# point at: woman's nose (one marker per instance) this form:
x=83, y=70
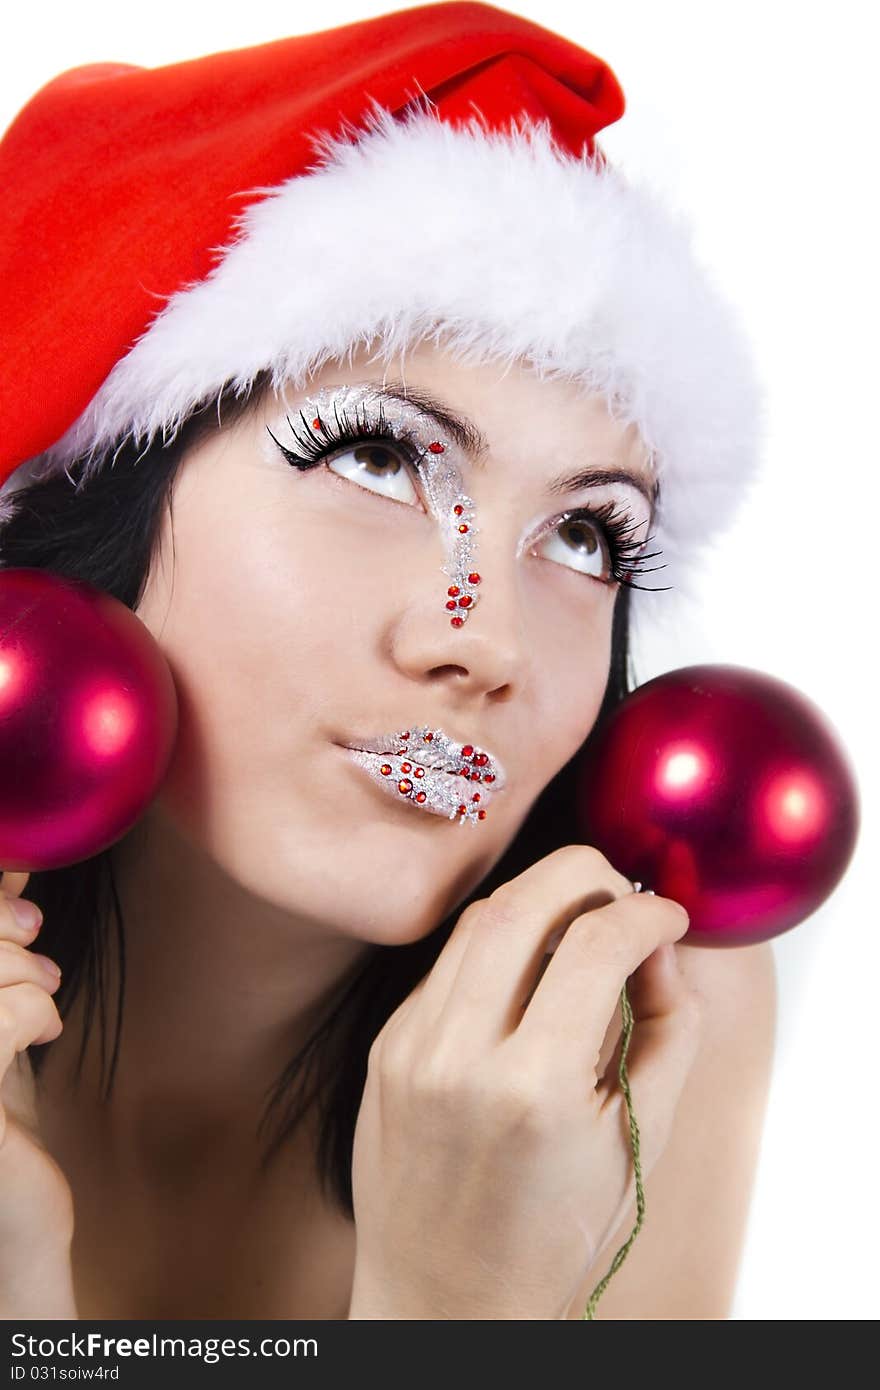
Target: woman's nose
x=488, y=651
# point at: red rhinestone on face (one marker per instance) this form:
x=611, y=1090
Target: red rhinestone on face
x=453, y=590
x=428, y=737
x=463, y=528
x=467, y=750
x=420, y=772
x=421, y=796
x=385, y=769
x=488, y=777
x=482, y=759
x=465, y=602
x=481, y=815
x=450, y=603
x=461, y=810
x=316, y=423
x=473, y=578
x=406, y=767
x=404, y=786
x=458, y=510
x=476, y=796
x=437, y=447
x=456, y=622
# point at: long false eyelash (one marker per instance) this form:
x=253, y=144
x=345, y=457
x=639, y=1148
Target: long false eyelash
x=627, y=555
x=315, y=447
x=616, y=524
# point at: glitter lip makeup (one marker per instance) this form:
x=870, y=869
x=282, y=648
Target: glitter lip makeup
x=432, y=772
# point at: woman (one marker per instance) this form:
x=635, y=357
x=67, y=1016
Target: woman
x=346, y=1081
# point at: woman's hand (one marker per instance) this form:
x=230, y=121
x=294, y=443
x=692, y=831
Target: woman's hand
x=36, y=1203
x=491, y=1163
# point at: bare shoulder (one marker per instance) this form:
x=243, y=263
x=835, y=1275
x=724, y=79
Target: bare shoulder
x=684, y=1262
x=738, y=985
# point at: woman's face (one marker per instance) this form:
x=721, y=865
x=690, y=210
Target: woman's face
x=301, y=609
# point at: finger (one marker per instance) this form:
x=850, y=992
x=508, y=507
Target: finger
x=665, y=1038
x=484, y=973
x=569, y=1012
x=654, y=991
x=18, y=965
x=27, y=1015
x=16, y=924
x=13, y=882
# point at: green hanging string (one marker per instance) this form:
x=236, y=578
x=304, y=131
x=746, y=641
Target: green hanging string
x=621, y=1255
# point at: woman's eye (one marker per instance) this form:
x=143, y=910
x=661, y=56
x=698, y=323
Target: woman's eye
x=377, y=467
x=577, y=542
x=581, y=545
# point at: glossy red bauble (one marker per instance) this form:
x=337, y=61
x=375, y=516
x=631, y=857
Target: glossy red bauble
x=727, y=790
x=88, y=719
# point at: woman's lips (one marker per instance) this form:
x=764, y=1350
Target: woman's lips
x=431, y=771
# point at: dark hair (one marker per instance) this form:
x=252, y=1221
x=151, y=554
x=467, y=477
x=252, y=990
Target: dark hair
x=104, y=531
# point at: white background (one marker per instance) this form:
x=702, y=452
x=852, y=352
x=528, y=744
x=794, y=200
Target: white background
x=761, y=122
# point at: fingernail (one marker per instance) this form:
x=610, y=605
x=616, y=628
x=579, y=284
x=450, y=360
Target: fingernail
x=27, y=914
x=48, y=965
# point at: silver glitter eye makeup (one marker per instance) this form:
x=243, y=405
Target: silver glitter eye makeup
x=337, y=416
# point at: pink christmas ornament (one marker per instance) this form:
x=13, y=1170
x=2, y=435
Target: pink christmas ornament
x=88, y=718
x=727, y=790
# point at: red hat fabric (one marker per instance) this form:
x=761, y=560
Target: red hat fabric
x=178, y=229
x=126, y=179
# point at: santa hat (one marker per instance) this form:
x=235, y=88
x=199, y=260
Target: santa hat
x=431, y=173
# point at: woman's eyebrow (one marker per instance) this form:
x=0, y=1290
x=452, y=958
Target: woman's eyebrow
x=474, y=443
